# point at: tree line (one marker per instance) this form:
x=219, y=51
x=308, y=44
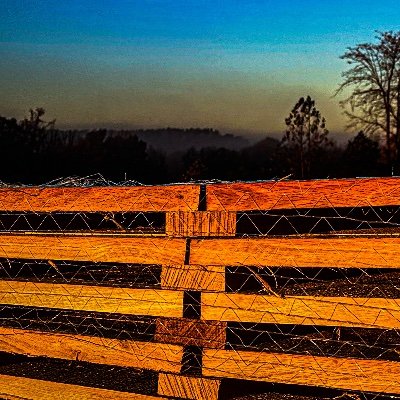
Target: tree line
x=34, y=151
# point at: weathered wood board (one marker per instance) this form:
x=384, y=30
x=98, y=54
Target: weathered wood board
x=331, y=372
x=163, y=303
x=304, y=310
x=298, y=252
x=94, y=248
x=276, y=195
x=193, y=277
x=17, y=388
x=98, y=199
x=190, y=332
x=187, y=387
x=200, y=223
x=125, y=353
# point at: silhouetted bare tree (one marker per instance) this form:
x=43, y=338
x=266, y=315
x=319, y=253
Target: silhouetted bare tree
x=374, y=80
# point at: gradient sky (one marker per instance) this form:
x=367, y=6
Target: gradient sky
x=234, y=65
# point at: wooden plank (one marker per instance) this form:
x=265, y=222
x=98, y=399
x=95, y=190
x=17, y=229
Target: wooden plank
x=304, y=194
x=189, y=332
x=383, y=252
x=15, y=387
x=188, y=387
x=331, y=372
x=124, y=249
x=125, y=353
x=307, y=310
x=200, y=223
x=193, y=277
x=98, y=199
x=152, y=302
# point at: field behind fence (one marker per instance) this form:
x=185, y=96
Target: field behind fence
x=201, y=291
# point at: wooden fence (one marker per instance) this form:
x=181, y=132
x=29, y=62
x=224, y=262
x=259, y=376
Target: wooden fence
x=200, y=278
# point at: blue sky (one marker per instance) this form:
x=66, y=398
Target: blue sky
x=238, y=66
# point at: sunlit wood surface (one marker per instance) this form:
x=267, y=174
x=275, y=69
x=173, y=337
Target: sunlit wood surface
x=332, y=372
x=98, y=199
x=357, y=252
x=303, y=194
x=188, y=387
x=304, y=310
x=200, y=223
x=194, y=253
x=193, y=277
x=17, y=388
x=151, y=302
x=123, y=249
x=100, y=350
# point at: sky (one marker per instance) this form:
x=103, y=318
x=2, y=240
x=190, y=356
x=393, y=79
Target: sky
x=234, y=65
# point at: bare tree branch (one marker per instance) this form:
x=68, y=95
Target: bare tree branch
x=374, y=78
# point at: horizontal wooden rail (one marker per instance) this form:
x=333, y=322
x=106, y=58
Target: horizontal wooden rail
x=298, y=252
x=303, y=194
x=98, y=199
x=15, y=387
x=220, y=197
x=125, y=353
x=331, y=372
x=306, y=310
x=123, y=249
x=152, y=302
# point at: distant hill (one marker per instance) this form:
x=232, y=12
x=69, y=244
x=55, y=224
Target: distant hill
x=167, y=140
x=268, y=145
x=171, y=140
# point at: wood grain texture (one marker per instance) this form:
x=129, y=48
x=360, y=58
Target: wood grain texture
x=97, y=199
x=304, y=194
x=124, y=249
x=327, y=311
x=357, y=252
x=189, y=332
x=331, y=372
x=125, y=353
x=152, y=302
x=200, y=223
x=187, y=387
x=15, y=387
x=193, y=277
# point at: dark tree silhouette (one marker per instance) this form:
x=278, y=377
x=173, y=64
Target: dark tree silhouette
x=361, y=156
x=35, y=121
x=35, y=129
x=374, y=80
x=211, y=163
x=259, y=160
x=305, y=138
x=32, y=151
